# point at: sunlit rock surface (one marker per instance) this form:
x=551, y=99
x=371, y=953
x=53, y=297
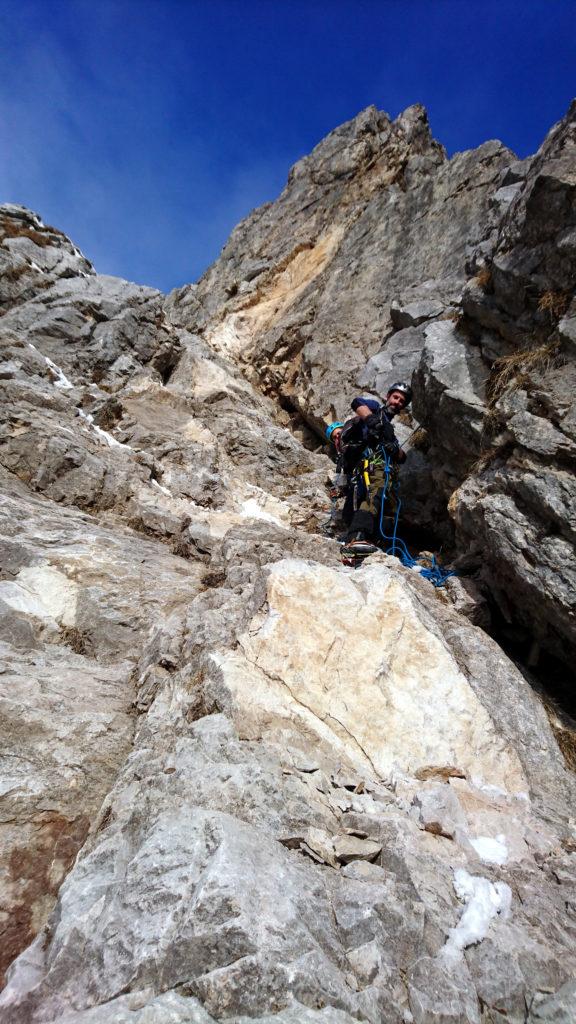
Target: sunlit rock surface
x=239, y=780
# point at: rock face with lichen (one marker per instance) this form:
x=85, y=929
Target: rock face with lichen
x=241, y=782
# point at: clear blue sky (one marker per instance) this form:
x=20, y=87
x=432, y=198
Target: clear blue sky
x=146, y=129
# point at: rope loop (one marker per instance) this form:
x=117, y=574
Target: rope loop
x=435, y=574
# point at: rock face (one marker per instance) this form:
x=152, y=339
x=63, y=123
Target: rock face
x=382, y=260
x=374, y=220
x=239, y=780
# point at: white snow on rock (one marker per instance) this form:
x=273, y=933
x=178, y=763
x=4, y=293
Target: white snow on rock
x=252, y=510
x=484, y=901
x=160, y=487
x=490, y=850
x=103, y=434
x=62, y=380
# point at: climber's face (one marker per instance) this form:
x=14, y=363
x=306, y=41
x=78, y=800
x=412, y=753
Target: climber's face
x=396, y=401
x=335, y=437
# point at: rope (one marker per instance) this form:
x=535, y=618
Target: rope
x=435, y=574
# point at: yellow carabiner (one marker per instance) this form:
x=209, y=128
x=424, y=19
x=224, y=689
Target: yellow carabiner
x=365, y=473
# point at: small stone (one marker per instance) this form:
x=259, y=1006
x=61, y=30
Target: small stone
x=349, y=848
x=321, y=843
x=306, y=766
x=439, y=811
x=312, y=853
x=322, y=783
x=366, y=871
x=350, y=782
x=365, y=961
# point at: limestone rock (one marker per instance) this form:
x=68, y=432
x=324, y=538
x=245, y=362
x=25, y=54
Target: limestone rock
x=241, y=781
x=352, y=210
x=351, y=848
x=32, y=255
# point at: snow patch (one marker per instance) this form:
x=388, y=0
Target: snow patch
x=484, y=902
x=270, y=623
x=252, y=510
x=61, y=378
x=161, y=487
x=492, y=851
x=487, y=787
x=103, y=434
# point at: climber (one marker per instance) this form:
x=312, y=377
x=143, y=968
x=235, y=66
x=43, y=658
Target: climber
x=340, y=485
x=333, y=433
x=369, y=445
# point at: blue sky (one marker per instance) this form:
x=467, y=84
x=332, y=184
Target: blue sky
x=146, y=129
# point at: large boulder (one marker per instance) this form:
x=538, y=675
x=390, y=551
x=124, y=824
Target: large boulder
x=315, y=820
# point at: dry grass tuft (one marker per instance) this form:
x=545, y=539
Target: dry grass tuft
x=10, y=228
x=213, y=578
x=511, y=372
x=563, y=727
x=554, y=303
x=74, y=638
x=566, y=740
x=484, y=279
x=299, y=470
x=492, y=423
x=419, y=440
x=485, y=459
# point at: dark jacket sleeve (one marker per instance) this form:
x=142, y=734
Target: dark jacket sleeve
x=352, y=443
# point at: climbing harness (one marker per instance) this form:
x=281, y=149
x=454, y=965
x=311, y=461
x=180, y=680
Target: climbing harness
x=436, y=575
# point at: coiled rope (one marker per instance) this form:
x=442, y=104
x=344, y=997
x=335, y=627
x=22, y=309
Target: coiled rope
x=434, y=573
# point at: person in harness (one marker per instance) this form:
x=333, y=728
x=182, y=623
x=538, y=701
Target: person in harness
x=371, y=456
x=340, y=491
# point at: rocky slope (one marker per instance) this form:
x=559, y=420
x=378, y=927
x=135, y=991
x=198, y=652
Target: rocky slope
x=240, y=781
x=382, y=260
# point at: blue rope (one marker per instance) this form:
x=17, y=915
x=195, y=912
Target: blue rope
x=435, y=574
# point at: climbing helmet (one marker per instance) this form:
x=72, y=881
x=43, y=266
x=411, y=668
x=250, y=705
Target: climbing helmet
x=332, y=427
x=404, y=389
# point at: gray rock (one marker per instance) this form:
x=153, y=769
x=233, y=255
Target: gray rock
x=439, y=811
x=438, y=994
x=393, y=214
x=396, y=361
x=449, y=394
x=138, y=1008
x=557, y=1009
x=197, y=778
x=350, y=848
x=412, y=314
